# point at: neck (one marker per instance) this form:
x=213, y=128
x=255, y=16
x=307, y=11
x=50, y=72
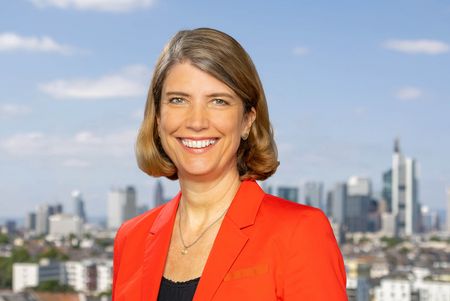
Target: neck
x=202, y=201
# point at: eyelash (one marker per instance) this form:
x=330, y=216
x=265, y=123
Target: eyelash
x=223, y=102
x=178, y=100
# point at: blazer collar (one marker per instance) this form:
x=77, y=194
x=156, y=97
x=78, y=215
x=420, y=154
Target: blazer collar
x=229, y=242
x=245, y=204
x=155, y=250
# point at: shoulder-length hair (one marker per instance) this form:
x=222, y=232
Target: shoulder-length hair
x=221, y=56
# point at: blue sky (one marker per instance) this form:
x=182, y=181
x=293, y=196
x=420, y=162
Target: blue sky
x=343, y=79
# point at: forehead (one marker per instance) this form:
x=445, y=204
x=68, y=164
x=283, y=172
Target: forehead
x=188, y=78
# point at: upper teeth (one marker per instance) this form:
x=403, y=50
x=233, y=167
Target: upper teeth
x=197, y=143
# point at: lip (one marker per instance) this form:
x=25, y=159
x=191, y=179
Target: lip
x=198, y=138
x=198, y=150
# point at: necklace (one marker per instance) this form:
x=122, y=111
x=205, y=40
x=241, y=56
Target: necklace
x=184, y=251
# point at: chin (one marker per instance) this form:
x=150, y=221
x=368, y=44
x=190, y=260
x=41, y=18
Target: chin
x=202, y=171
x=199, y=172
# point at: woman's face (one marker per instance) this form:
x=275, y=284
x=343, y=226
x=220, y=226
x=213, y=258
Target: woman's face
x=201, y=122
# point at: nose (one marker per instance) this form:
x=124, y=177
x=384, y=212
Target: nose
x=197, y=118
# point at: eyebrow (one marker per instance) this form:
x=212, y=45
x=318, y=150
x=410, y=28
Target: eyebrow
x=178, y=93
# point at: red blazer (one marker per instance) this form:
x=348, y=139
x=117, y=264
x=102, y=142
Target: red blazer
x=266, y=249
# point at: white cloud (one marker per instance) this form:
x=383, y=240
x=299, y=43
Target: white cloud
x=13, y=42
x=132, y=81
x=82, y=145
x=13, y=110
x=300, y=51
x=86, y=138
x=24, y=143
x=76, y=163
x=96, y=5
x=431, y=47
x=409, y=93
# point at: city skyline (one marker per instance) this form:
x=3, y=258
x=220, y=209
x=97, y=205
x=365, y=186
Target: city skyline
x=342, y=83
x=302, y=195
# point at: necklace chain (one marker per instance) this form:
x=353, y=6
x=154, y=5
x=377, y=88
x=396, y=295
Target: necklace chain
x=186, y=247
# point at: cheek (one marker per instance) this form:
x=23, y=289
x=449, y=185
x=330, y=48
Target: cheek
x=165, y=128
x=232, y=130
x=227, y=123
x=167, y=122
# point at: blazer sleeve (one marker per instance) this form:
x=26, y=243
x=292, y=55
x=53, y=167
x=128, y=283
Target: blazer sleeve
x=314, y=269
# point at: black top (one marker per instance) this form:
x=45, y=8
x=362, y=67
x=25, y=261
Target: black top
x=177, y=291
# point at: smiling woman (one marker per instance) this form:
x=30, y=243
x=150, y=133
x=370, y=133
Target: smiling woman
x=225, y=62
x=221, y=238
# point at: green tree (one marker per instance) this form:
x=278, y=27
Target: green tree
x=435, y=238
x=4, y=239
x=104, y=242
x=54, y=253
x=391, y=241
x=5, y=273
x=404, y=250
x=19, y=254
x=107, y=293
x=364, y=239
x=53, y=286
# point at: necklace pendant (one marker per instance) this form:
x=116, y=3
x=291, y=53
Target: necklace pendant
x=184, y=251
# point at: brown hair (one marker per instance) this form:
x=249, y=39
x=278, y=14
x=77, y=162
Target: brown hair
x=221, y=56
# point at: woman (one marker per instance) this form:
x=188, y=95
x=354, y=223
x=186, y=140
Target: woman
x=221, y=238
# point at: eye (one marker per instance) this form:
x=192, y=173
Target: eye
x=176, y=100
x=220, y=102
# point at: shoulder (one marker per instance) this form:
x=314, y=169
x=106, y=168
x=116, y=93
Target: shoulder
x=292, y=225
x=291, y=213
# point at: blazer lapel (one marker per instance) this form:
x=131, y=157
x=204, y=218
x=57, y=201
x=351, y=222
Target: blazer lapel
x=230, y=239
x=156, y=247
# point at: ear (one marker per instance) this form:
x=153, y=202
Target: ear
x=249, y=119
x=158, y=122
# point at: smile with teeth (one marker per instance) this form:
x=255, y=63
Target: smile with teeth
x=198, y=143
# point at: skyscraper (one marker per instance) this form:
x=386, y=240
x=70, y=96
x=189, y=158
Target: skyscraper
x=288, y=193
x=359, y=186
x=357, y=213
x=338, y=203
x=130, y=205
x=405, y=203
x=359, y=192
x=159, y=194
x=42, y=214
x=30, y=222
x=116, y=203
x=429, y=219
x=56, y=209
x=10, y=226
x=313, y=194
x=121, y=206
x=387, y=189
x=78, y=205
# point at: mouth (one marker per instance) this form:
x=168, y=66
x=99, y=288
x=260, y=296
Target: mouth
x=196, y=144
